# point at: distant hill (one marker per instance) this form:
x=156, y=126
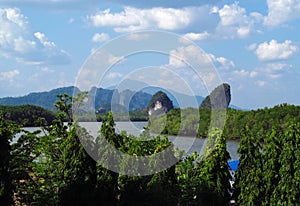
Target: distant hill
x=99, y=98
x=42, y=99
x=103, y=99
x=112, y=99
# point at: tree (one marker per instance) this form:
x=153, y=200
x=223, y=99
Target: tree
x=271, y=163
x=287, y=191
x=215, y=168
x=7, y=131
x=107, y=181
x=250, y=189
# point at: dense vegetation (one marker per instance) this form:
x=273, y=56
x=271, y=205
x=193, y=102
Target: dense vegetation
x=27, y=115
x=259, y=121
x=51, y=167
x=269, y=174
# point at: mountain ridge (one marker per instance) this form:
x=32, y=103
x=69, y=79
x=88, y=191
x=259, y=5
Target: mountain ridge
x=104, y=98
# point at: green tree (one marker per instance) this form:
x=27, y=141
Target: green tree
x=287, y=191
x=215, y=168
x=250, y=188
x=7, y=131
x=107, y=180
x=271, y=163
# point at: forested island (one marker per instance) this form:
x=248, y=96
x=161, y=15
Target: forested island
x=51, y=166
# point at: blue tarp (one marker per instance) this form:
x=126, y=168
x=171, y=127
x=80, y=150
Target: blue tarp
x=233, y=165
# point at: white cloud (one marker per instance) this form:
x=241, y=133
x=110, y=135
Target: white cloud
x=242, y=73
x=18, y=42
x=43, y=40
x=47, y=70
x=190, y=60
x=114, y=75
x=13, y=25
x=280, y=11
x=9, y=75
x=100, y=37
x=274, y=70
x=225, y=63
x=21, y=45
x=253, y=74
x=234, y=21
x=197, y=36
x=190, y=54
x=132, y=19
x=172, y=19
x=222, y=62
x=275, y=51
x=268, y=72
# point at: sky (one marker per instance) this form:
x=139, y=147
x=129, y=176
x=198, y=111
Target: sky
x=253, y=45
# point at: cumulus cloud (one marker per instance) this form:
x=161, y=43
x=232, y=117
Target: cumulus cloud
x=234, y=21
x=189, y=61
x=18, y=42
x=100, y=37
x=172, y=19
x=280, y=11
x=275, y=51
x=13, y=24
x=190, y=54
x=132, y=19
x=43, y=40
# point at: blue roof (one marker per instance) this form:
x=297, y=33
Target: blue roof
x=233, y=165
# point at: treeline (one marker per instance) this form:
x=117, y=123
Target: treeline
x=27, y=115
x=34, y=116
x=195, y=122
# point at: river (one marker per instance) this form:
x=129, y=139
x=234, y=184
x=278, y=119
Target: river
x=187, y=144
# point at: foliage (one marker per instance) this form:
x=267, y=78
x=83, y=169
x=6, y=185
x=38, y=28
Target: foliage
x=270, y=175
x=51, y=166
x=27, y=115
x=249, y=175
x=259, y=121
x=7, y=131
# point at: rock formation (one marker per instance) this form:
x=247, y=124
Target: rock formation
x=219, y=98
x=159, y=104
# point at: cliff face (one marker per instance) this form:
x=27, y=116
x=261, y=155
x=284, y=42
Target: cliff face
x=159, y=104
x=220, y=97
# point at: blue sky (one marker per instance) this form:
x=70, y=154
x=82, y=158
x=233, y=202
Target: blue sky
x=254, y=45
